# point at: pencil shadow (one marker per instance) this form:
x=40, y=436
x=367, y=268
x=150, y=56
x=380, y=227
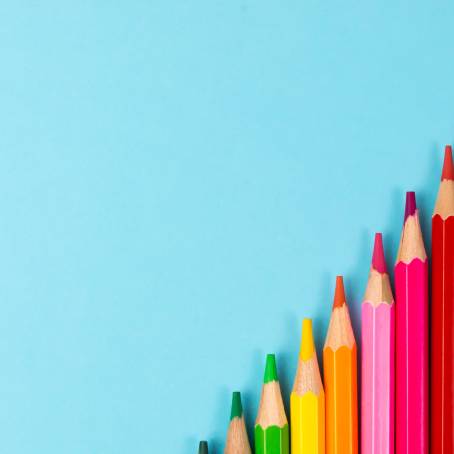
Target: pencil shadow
x=320, y=321
x=393, y=229
x=190, y=445
x=288, y=357
x=427, y=191
x=355, y=281
x=216, y=442
x=252, y=391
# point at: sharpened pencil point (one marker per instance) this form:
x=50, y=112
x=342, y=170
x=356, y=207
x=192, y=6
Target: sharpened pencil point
x=307, y=340
x=203, y=447
x=410, y=205
x=270, y=369
x=448, y=167
x=339, y=294
x=378, y=257
x=237, y=408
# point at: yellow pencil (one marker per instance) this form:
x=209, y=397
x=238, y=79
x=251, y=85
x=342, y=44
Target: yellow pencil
x=307, y=401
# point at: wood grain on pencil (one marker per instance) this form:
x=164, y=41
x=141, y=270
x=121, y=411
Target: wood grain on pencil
x=442, y=385
x=307, y=401
x=271, y=426
x=377, y=396
x=340, y=372
x=411, y=278
x=237, y=439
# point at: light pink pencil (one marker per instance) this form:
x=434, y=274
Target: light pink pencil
x=411, y=275
x=377, y=402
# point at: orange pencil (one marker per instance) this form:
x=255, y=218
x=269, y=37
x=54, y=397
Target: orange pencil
x=339, y=361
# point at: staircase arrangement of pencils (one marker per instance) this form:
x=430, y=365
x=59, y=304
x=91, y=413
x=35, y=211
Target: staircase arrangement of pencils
x=395, y=373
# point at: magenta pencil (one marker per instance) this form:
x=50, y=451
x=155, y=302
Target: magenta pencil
x=411, y=276
x=377, y=401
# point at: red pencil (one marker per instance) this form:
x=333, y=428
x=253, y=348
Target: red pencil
x=442, y=393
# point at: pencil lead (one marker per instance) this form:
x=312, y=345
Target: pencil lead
x=448, y=167
x=410, y=205
x=339, y=294
x=203, y=447
x=237, y=408
x=378, y=256
x=270, y=369
x=307, y=340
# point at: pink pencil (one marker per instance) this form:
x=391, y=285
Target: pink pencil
x=411, y=275
x=377, y=403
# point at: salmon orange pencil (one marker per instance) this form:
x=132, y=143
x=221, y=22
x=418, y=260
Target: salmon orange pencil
x=442, y=386
x=340, y=372
x=411, y=279
x=377, y=392
x=307, y=401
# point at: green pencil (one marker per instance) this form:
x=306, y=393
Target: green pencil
x=237, y=440
x=203, y=447
x=271, y=426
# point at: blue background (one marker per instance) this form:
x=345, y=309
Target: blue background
x=180, y=182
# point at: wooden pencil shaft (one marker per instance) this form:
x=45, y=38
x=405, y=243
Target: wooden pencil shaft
x=377, y=393
x=442, y=364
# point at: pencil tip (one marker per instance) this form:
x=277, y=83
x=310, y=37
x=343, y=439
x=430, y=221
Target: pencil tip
x=237, y=407
x=203, y=447
x=307, y=340
x=339, y=294
x=378, y=256
x=270, y=369
x=448, y=167
x=410, y=205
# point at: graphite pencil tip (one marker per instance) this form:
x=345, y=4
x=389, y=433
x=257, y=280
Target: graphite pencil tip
x=378, y=256
x=237, y=408
x=203, y=447
x=448, y=167
x=307, y=340
x=410, y=205
x=339, y=294
x=270, y=369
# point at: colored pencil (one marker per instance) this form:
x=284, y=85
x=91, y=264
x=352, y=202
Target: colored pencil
x=377, y=397
x=307, y=400
x=203, y=447
x=442, y=392
x=237, y=439
x=340, y=372
x=411, y=276
x=271, y=426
